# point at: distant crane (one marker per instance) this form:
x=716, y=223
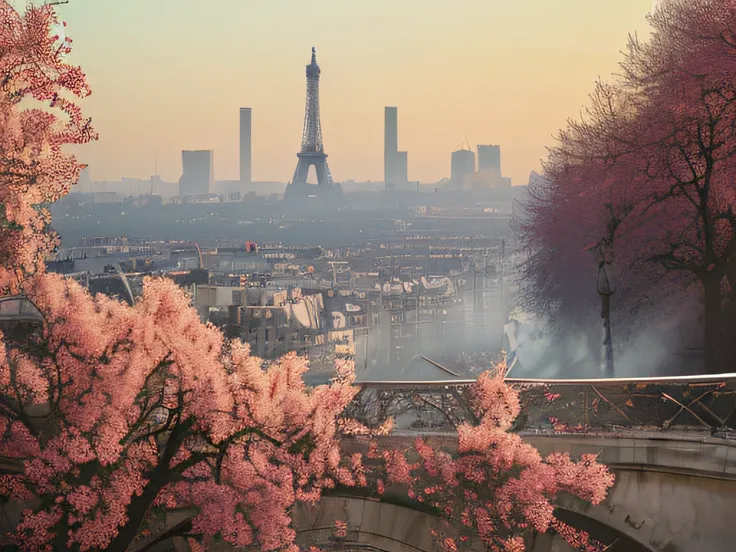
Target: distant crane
x=464, y=145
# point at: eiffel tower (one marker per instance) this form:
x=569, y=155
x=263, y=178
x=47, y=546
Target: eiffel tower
x=313, y=149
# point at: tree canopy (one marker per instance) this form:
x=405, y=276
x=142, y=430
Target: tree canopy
x=645, y=182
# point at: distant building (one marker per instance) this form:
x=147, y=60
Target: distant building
x=63, y=266
x=395, y=164
x=390, y=141
x=134, y=187
x=202, y=198
x=167, y=190
x=245, y=145
x=462, y=165
x=228, y=187
x=84, y=183
x=400, y=177
x=198, y=173
x=265, y=188
x=145, y=200
x=489, y=159
x=104, y=197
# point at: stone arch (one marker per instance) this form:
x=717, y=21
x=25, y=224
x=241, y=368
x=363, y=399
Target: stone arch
x=381, y=526
x=671, y=494
x=665, y=511
x=372, y=525
x=611, y=537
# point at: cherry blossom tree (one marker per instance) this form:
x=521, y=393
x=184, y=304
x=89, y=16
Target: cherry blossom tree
x=648, y=177
x=37, y=119
x=486, y=481
x=120, y=414
x=579, y=216
x=688, y=143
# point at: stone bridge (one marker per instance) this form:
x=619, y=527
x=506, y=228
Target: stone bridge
x=673, y=493
x=668, y=440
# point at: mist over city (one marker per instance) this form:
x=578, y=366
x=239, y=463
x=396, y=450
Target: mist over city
x=391, y=230
x=386, y=276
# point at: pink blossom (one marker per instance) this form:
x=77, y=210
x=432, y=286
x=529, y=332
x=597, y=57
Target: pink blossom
x=494, y=485
x=341, y=529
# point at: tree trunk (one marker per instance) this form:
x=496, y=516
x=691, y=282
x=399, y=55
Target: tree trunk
x=140, y=506
x=138, y=510
x=714, y=341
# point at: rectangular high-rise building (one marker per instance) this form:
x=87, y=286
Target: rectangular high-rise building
x=245, y=145
x=390, y=143
x=400, y=177
x=84, y=183
x=198, y=172
x=489, y=159
x=462, y=164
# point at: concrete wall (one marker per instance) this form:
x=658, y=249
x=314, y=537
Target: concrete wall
x=670, y=495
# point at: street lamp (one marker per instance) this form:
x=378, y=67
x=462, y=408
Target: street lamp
x=605, y=290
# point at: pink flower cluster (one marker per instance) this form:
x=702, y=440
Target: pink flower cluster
x=493, y=485
x=146, y=406
x=34, y=168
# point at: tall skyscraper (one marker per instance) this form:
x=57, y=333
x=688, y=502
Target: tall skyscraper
x=401, y=169
x=395, y=166
x=198, y=172
x=390, y=142
x=245, y=145
x=489, y=159
x=462, y=165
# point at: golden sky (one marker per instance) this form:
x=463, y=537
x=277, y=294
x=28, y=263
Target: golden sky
x=169, y=75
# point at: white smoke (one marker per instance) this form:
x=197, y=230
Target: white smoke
x=654, y=351
x=541, y=355
x=647, y=355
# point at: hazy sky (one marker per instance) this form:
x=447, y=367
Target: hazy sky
x=169, y=75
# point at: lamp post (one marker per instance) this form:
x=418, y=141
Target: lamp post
x=605, y=290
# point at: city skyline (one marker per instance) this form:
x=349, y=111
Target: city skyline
x=506, y=72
